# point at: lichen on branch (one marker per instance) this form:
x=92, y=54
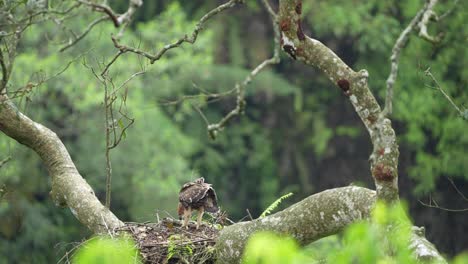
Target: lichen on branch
x=354, y=85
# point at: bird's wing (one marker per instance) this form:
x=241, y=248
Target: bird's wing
x=211, y=201
x=192, y=194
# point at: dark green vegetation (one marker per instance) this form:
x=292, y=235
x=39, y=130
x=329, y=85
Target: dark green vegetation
x=299, y=133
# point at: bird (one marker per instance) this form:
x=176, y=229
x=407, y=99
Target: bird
x=196, y=195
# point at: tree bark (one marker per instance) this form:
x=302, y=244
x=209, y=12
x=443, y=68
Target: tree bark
x=384, y=157
x=68, y=186
x=319, y=215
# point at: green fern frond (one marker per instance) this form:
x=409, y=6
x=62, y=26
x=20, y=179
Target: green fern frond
x=275, y=204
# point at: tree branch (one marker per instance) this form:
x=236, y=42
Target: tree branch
x=213, y=129
x=68, y=186
x=400, y=43
x=384, y=157
x=463, y=114
x=317, y=216
x=4, y=161
x=426, y=17
x=154, y=57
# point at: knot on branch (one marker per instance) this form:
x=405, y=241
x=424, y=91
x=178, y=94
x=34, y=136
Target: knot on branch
x=383, y=172
x=298, y=8
x=345, y=86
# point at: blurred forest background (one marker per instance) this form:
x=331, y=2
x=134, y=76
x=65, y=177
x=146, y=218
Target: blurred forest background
x=299, y=133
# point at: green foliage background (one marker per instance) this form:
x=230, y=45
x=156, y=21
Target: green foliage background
x=299, y=134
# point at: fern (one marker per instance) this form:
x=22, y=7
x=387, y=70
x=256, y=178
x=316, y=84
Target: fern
x=275, y=204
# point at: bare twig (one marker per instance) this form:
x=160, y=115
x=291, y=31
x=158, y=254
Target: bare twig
x=193, y=37
x=250, y=215
x=439, y=207
x=76, y=39
x=4, y=161
x=209, y=97
x=4, y=72
x=426, y=17
x=213, y=129
x=26, y=89
x=449, y=12
x=108, y=109
x=438, y=87
x=456, y=188
x=269, y=9
x=104, y=9
x=201, y=114
x=400, y=43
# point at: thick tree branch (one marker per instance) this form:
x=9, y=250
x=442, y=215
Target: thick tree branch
x=422, y=249
x=68, y=186
x=317, y=216
x=384, y=158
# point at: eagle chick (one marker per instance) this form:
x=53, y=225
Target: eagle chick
x=196, y=195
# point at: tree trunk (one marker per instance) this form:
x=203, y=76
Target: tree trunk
x=68, y=186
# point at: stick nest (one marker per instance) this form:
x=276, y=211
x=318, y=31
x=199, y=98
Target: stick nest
x=167, y=242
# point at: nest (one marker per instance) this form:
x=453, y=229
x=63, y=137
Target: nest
x=168, y=242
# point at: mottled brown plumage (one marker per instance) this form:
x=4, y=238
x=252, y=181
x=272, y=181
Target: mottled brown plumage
x=197, y=195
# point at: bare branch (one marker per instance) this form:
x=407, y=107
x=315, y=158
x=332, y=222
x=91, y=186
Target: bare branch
x=154, y=57
x=104, y=9
x=269, y=9
x=449, y=12
x=4, y=161
x=401, y=42
x=213, y=129
x=31, y=85
x=436, y=206
x=208, y=96
x=456, y=188
x=426, y=17
x=76, y=39
x=438, y=87
x=4, y=71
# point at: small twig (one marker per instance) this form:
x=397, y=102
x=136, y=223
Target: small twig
x=155, y=244
x=26, y=89
x=250, y=215
x=103, y=8
x=442, y=208
x=201, y=114
x=210, y=97
x=4, y=161
x=428, y=73
x=269, y=9
x=456, y=189
x=449, y=12
x=107, y=227
x=400, y=43
x=154, y=57
x=76, y=39
x=213, y=129
x=426, y=17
